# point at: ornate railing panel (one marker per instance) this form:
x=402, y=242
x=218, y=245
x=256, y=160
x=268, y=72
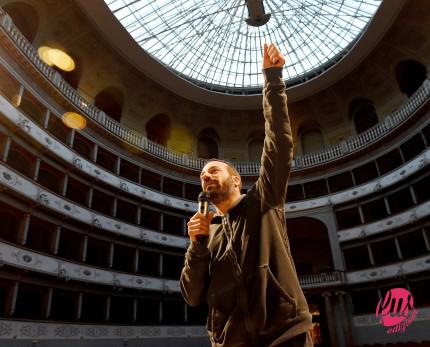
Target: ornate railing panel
x=40, y=195
x=65, y=270
x=97, y=334
x=325, y=279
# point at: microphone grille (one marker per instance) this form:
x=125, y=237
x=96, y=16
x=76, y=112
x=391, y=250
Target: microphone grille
x=203, y=196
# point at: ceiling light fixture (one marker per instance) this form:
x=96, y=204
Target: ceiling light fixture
x=256, y=14
x=74, y=120
x=56, y=57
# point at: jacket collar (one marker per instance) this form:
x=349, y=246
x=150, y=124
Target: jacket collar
x=217, y=219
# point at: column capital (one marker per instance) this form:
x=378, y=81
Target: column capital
x=326, y=294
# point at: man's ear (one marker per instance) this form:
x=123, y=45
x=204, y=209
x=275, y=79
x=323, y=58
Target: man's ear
x=236, y=180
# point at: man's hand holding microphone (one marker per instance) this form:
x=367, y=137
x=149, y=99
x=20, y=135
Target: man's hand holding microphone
x=198, y=225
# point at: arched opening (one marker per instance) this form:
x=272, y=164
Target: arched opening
x=363, y=114
x=310, y=246
x=110, y=100
x=410, y=74
x=158, y=129
x=25, y=17
x=207, y=144
x=312, y=140
x=66, y=63
x=255, y=146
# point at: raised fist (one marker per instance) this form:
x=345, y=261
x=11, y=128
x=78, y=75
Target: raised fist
x=272, y=56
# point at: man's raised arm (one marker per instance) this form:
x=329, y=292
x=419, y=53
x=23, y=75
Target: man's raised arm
x=278, y=142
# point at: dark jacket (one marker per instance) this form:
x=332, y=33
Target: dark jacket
x=246, y=272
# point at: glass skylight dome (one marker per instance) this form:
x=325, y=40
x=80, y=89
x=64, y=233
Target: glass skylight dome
x=214, y=43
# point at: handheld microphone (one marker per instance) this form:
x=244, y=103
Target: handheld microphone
x=203, y=206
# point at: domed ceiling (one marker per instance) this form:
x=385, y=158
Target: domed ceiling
x=217, y=44
x=210, y=51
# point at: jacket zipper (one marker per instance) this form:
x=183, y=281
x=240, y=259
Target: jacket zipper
x=242, y=292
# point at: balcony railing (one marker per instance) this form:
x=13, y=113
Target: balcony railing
x=346, y=147
x=325, y=279
x=34, y=333
x=23, y=258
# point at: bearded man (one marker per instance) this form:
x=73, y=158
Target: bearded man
x=243, y=267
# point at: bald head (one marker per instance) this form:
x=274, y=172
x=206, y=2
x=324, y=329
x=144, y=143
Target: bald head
x=229, y=165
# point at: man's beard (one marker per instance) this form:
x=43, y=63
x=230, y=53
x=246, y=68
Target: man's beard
x=221, y=192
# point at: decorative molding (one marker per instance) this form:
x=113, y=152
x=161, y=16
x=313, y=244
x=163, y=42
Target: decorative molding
x=396, y=270
x=408, y=217
x=29, y=260
x=357, y=192
x=23, y=330
x=26, y=259
x=353, y=144
x=27, y=188
x=371, y=320
x=68, y=155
